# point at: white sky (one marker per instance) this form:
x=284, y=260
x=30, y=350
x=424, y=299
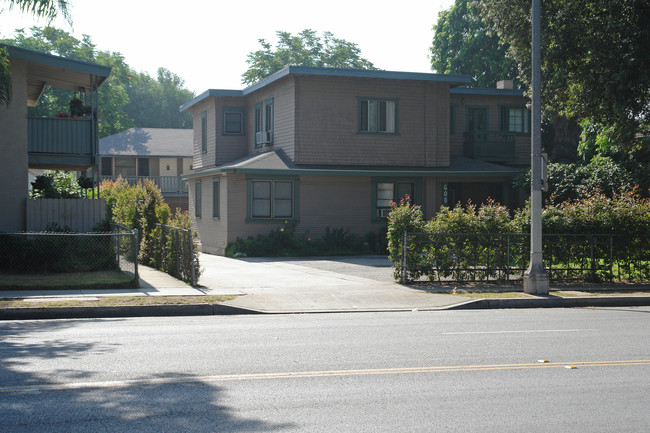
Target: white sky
x=206, y=42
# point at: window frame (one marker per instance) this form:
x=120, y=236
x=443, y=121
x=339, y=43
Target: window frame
x=241, y=111
x=504, y=118
x=198, y=202
x=372, y=119
x=216, y=198
x=272, y=200
x=107, y=166
x=416, y=193
x=204, y=131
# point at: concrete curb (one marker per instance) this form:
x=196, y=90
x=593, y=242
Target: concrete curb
x=603, y=301
x=35, y=313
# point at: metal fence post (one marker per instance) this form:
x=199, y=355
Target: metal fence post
x=136, y=246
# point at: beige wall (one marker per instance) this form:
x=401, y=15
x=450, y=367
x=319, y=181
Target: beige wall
x=13, y=148
x=172, y=164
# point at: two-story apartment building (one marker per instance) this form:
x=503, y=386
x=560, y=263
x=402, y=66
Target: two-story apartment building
x=334, y=147
x=161, y=155
x=44, y=142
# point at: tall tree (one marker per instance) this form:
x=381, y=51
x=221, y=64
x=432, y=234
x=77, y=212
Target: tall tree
x=154, y=103
x=128, y=98
x=462, y=45
x=39, y=8
x=304, y=49
x=595, y=63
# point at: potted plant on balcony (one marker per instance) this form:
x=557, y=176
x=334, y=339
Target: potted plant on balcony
x=76, y=107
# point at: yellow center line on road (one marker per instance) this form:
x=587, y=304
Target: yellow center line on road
x=312, y=374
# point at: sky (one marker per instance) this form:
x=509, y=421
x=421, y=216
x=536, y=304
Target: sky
x=206, y=42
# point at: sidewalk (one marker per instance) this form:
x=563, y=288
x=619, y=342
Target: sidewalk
x=293, y=285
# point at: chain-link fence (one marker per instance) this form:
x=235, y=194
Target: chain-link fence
x=175, y=253
x=451, y=257
x=65, y=252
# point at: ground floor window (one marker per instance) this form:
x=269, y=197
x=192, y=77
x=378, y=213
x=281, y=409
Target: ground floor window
x=389, y=192
x=197, y=199
x=216, y=198
x=272, y=199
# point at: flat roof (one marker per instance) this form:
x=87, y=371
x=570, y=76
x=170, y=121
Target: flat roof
x=453, y=79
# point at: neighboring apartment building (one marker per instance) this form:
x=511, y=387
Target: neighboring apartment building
x=334, y=147
x=162, y=155
x=58, y=143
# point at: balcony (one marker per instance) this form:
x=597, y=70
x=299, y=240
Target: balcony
x=61, y=143
x=167, y=184
x=490, y=146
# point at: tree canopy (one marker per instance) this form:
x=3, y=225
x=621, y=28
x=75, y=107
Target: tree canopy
x=306, y=48
x=128, y=98
x=595, y=63
x=462, y=45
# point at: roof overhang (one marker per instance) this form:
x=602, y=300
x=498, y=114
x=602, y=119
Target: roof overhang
x=451, y=79
x=47, y=69
x=275, y=163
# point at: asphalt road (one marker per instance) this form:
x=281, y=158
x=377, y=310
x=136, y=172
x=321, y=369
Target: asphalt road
x=452, y=371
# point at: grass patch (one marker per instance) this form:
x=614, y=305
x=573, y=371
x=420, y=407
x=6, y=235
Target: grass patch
x=78, y=280
x=114, y=301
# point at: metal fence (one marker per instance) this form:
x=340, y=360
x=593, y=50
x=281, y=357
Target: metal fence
x=127, y=248
x=68, y=252
x=453, y=257
x=174, y=253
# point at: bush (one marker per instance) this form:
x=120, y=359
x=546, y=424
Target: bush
x=55, y=184
x=285, y=242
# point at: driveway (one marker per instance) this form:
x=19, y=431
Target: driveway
x=281, y=285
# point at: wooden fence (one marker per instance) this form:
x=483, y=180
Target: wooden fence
x=80, y=215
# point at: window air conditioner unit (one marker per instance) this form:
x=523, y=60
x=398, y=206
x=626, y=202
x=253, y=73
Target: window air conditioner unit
x=264, y=137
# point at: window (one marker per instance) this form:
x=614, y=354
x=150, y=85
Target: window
x=378, y=115
x=452, y=119
x=515, y=119
x=125, y=167
x=197, y=199
x=204, y=131
x=143, y=166
x=233, y=121
x=107, y=166
x=272, y=199
x=264, y=119
x=215, y=198
x=389, y=192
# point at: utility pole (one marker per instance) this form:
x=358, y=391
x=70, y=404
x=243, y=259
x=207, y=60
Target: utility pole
x=535, y=278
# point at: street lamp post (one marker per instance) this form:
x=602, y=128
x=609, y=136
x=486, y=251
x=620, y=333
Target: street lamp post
x=535, y=278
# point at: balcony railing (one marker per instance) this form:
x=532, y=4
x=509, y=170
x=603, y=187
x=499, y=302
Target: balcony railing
x=492, y=146
x=167, y=184
x=60, y=135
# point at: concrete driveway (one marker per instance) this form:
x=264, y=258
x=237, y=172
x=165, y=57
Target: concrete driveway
x=281, y=285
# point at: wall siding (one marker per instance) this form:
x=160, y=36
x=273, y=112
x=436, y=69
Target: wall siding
x=327, y=122
x=80, y=215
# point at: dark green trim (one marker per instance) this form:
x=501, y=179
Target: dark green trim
x=239, y=110
x=418, y=188
x=516, y=107
x=204, y=131
x=249, y=198
x=485, y=108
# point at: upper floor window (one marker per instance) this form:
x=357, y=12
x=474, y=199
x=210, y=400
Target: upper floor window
x=233, y=121
x=204, y=131
x=515, y=119
x=264, y=118
x=378, y=115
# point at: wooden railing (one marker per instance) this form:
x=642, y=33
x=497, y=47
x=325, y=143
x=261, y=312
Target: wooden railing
x=492, y=146
x=167, y=184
